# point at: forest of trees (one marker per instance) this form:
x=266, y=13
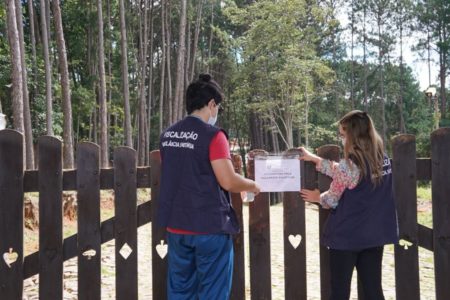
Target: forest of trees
x=115, y=72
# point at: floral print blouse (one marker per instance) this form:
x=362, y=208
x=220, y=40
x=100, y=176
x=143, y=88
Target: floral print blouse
x=345, y=175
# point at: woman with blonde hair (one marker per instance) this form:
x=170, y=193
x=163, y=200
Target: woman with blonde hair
x=363, y=217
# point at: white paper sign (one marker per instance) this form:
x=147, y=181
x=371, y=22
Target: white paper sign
x=278, y=173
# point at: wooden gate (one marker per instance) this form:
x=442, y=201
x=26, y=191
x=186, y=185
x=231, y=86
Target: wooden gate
x=50, y=180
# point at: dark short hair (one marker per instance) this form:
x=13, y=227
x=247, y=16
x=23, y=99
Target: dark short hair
x=201, y=91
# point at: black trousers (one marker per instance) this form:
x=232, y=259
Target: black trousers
x=368, y=265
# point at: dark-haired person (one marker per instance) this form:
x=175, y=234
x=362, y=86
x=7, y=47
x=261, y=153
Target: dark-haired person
x=363, y=217
x=194, y=205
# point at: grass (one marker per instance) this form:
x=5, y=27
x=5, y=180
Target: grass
x=424, y=215
x=424, y=193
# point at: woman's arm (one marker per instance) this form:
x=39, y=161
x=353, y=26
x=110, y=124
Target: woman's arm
x=345, y=175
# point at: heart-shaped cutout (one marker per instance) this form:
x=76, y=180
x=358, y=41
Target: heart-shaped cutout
x=161, y=249
x=405, y=244
x=10, y=257
x=89, y=253
x=295, y=240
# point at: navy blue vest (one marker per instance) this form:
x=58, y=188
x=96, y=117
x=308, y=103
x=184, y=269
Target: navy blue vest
x=365, y=216
x=190, y=197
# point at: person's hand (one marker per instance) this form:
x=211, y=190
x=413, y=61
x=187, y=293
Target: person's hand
x=256, y=190
x=310, y=195
x=308, y=156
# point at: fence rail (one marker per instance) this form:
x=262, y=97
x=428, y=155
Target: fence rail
x=50, y=180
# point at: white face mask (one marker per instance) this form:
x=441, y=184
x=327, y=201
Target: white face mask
x=212, y=120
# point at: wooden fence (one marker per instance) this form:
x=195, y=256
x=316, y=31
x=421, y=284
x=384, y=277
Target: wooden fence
x=50, y=180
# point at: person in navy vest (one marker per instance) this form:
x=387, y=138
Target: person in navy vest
x=363, y=217
x=194, y=203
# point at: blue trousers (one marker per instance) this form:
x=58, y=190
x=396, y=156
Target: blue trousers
x=200, y=266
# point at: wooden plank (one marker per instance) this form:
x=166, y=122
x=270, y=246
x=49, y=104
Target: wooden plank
x=425, y=235
x=294, y=234
x=31, y=261
x=50, y=219
x=423, y=168
x=142, y=178
x=259, y=239
x=11, y=214
x=405, y=191
x=89, y=238
x=440, y=160
x=159, y=264
x=125, y=230
x=238, y=284
x=328, y=152
x=70, y=179
x=30, y=181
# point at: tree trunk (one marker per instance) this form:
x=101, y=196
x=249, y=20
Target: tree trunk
x=37, y=32
x=187, y=63
x=366, y=104
x=381, y=67
x=162, y=67
x=210, y=37
x=47, y=17
x=275, y=139
x=442, y=75
x=168, y=59
x=352, y=68
x=179, y=87
x=196, y=35
x=65, y=87
x=30, y=213
x=307, y=104
x=150, y=84
x=16, y=66
x=48, y=71
x=103, y=120
x=125, y=84
x=142, y=99
x=402, y=128
x=442, y=70
x=29, y=156
x=429, y=56
x=33, y=45
x=110, y=47
x=256, y=131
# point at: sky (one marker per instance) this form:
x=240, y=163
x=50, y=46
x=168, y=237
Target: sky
x=411, y=58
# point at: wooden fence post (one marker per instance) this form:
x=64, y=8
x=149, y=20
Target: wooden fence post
x=89, y=231
x=440, y=162
x=294, y=234
x=50, y=219
x=259, y=239
x=159, y=264
x=11, y=214
x=238, y=285
x=330, y=152
x=405, y=191
x=125, y=226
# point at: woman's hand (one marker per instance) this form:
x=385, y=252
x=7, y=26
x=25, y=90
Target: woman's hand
x=308, y=156
x=310, y=195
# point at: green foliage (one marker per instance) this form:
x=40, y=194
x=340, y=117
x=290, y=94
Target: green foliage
x=322, y=135
x=424, y=192
x=280, y=68
x=284, y=61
